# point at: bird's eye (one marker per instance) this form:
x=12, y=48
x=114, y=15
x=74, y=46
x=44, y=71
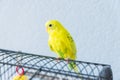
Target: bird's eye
x=50, y=25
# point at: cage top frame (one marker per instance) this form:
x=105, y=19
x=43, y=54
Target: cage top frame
x=39, y=64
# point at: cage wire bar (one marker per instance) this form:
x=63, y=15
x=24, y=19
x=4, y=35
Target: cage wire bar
x=38, y=67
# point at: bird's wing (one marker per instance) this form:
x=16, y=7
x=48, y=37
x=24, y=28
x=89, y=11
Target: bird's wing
x=68, y=46
x=71, y=43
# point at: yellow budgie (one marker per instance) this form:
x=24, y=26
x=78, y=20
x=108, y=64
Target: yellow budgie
x=20, y=77
x=61, y=42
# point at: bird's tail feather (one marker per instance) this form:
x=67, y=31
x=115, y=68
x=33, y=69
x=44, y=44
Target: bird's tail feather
x=73, y=66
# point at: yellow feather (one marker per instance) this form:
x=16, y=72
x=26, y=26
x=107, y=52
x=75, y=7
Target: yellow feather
x=60, y=41
x=20, y=77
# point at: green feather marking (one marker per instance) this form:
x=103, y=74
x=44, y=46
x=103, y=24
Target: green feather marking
x=61, y=55
x=72, y=65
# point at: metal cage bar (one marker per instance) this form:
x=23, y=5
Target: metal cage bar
x=38, y=67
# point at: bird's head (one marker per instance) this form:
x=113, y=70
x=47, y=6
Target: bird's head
x=53, y=26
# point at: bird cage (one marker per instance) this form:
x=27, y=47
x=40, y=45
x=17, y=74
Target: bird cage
x=38, y=67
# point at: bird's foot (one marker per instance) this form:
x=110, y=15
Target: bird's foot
x=57, y=59
x=67, y=60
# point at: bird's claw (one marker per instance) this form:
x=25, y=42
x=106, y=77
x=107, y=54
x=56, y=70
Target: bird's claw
x=67, y=60
x=57, y=59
